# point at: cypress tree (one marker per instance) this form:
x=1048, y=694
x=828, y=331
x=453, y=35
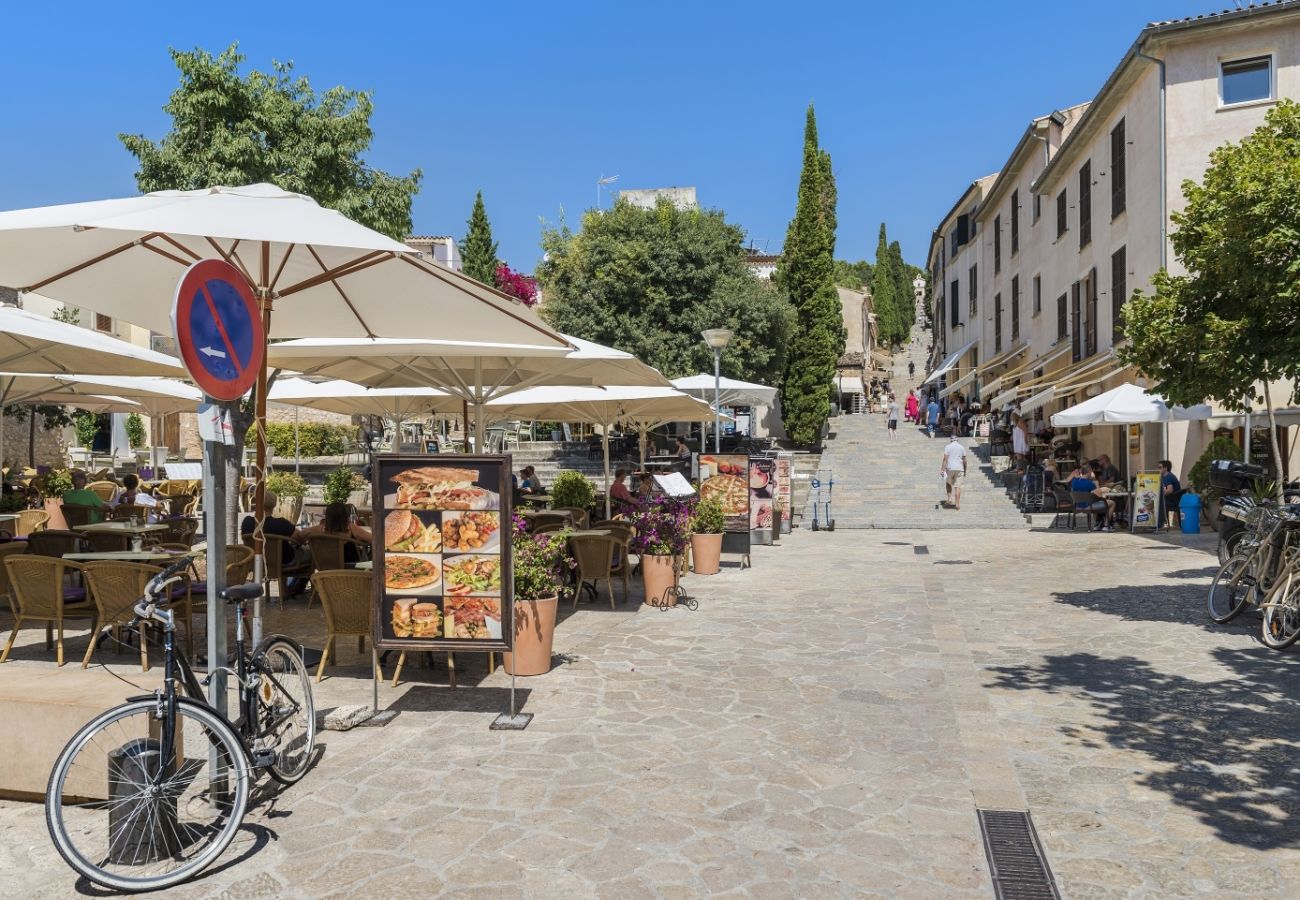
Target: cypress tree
x=883, y=288
x=807, y=273
x=903, y=291
x=478, y=252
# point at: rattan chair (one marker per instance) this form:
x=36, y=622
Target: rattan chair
x=30, y=520
x=621, y=533
x=124, y=512
x=274, y=568
x=77, y=514
x=107, y=541
x=577, y=516
x=104, y=490
x=329, y=553
x=179, y=531
x=345, y=597
x=550, y=527
x=55, y=543
x=6, y=591
x=550, y=518
x=39, y=588
x=595, y=557
x=115, y=588
x=239, y=568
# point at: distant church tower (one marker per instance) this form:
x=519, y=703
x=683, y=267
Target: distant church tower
x=918, y=287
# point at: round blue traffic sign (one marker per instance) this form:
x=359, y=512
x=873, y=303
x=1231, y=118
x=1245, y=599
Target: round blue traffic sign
x=218, y=329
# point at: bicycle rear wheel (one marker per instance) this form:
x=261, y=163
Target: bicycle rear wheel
x=1230, y=591
x=1281, y=626
x=286, y=710
x=120, y=820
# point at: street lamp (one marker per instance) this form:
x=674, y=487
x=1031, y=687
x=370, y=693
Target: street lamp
x=717, y=339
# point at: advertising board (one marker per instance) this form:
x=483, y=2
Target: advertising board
x=1146, y=500
x=762, y=493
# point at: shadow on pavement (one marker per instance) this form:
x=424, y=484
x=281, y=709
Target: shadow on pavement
x=1226, y=750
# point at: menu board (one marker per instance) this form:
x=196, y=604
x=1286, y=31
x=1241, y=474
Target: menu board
x=442, y=553
x=762, y=491
x=1146, y=500
x=785, y=487
x=725, y=478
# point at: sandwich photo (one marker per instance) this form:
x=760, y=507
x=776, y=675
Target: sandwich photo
x=441, y=487
x=414, y=619
x=405, y=533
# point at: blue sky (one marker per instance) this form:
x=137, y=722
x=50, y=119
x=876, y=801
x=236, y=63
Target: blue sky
x=532, y=102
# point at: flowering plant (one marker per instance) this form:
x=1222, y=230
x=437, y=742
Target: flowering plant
x=541, y=562
x=663, y=527
x=517, y=285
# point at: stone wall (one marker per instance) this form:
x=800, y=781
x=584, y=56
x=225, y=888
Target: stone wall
x=50, y=445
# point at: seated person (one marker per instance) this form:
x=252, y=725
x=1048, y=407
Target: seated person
x=132, y=495
x=530, y=483
x=1170, y=489
x=80, y=496
x=682, y=450
x=1107, y=473
x=337, y=520
x=292, y=556
x=1100, y=506
x=619, y=495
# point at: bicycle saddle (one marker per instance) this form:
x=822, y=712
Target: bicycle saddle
x=241, y=592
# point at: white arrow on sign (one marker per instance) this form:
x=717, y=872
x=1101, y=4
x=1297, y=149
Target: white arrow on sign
x=208, y=351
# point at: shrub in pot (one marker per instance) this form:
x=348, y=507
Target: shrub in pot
x=706, y=537
x=572, y=489
x=340, y=484
x=663, y=532
x=289, y=489
x=541, y=569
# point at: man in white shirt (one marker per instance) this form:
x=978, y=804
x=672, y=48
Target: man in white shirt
x=953, y=470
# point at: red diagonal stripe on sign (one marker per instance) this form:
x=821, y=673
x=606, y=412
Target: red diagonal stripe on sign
x=225, y=338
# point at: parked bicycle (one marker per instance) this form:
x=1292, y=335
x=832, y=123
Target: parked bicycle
x=1265, y=548
x=151, y=792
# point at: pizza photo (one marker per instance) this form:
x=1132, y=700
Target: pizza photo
x=441, y=487
x=419, y=574
x=730, y=491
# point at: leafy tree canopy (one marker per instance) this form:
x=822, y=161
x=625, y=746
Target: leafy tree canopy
x=233, y=129
x=853, y=275
x=648, y=281
x=478, y=252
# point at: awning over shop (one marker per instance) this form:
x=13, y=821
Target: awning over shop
x=958, y=384
x=1004, y=357
x=850, y=384
x=1002, y=399
x=1226, y=418
x=1039, y=400
x=883, y=358
x=1027, y=366
x=948, y=363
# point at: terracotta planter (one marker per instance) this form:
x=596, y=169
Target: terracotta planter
x=534, y=637
x=657, y=572
x=706, y=550
x=288, y=508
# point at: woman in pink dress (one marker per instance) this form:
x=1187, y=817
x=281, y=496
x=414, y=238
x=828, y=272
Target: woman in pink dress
x=912, y=407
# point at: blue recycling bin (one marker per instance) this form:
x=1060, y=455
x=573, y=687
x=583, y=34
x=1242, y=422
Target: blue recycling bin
x=1189, y=509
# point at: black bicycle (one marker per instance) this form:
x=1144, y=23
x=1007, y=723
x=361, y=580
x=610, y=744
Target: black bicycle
x=151, y=792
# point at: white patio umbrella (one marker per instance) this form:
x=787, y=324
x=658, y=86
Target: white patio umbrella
x=1127, y=404
x=476, y=373
x=152, y=396
x=641, y=407
x=734, y=392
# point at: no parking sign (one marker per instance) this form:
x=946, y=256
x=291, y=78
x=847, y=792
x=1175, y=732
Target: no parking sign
x=218, y=329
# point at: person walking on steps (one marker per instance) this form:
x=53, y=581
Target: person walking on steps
x=911, y=368
x=953, y=469
x=932, y=416
x=892, y=417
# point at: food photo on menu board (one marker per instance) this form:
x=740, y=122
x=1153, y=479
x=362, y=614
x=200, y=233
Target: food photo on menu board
x=762, y=491
x=725, y=478
x=445, y=557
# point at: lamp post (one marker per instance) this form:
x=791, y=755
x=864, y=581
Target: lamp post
x=717, y=339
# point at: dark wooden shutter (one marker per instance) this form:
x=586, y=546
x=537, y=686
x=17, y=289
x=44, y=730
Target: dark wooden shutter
x=1015, y=222
x=1076, y=314
x=1062, y=318
x=1118, y=292
x=1015, y=307
x=997, y=323
x=1062, y=211
x=974, y=290
x=997, y=244
x=956, y=306
x=1085, y=205
x=1091, y=283
x=1038, y=294
x=1117, y=175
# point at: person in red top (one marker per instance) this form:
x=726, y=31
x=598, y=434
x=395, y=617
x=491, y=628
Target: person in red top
x=912, y=406
x=622, y=498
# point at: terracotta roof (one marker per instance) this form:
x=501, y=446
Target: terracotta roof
x=1205, y=17
x=429, y=237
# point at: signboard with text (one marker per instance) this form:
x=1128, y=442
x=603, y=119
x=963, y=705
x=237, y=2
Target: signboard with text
x=1146, y=500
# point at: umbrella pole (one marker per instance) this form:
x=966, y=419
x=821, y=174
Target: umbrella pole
x=604, y=440
x=464, y=423
x=297, y=448
x=259, y=485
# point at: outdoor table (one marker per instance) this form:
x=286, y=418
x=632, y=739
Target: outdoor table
x=9, y=517
x=123, y=556
x=539, y=499
x=122, y=528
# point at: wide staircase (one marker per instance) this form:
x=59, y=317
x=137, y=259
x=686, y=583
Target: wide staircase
x=884, y=483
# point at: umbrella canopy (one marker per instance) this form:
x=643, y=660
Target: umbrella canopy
x=34, y=344
x=323, y=274
x=350, y=399
x=152, y=396
x=734, y=393
x=1127, y=404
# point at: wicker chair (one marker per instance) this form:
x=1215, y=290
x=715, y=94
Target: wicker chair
x=345, y=597
x=595, y=556
x=239, y=568
x=55, y=543
x=77, y=514
x=329, y=553
x=550, y=527
x=577, y=516
x=104, y=490
x=30, y=520
x=115, y=588
x=275, y=570
x=124, y=512
x=107, y=541
x=550, y=518
x=6, y=590
x=621, y=533
x=179, y=531
x=39, y=587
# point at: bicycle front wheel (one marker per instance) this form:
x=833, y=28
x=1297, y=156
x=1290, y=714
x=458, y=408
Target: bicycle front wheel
x=286, y=710
x=1281, y=626
x=1230, y=591
x=131, y=817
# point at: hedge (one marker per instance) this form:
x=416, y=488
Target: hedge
x=314, y=438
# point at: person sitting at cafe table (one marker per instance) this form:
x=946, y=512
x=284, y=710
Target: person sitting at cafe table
x=529, y=483
x=132, y=495
x=619, y=494
x=338, y=520
x=1102, y=505
x=80, y=496
x=1170, y=489
x=1106, y=472
x=683, y=451
x=291, y=555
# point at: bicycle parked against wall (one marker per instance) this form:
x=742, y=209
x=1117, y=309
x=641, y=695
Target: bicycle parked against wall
x=151, y=792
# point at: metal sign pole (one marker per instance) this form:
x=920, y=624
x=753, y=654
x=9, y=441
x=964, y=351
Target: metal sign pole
x=214, y=501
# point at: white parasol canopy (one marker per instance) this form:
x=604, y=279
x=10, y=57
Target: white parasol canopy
x=642, y=408
x=350, y=399
x=35, y=344
x=1127, y=404
x=152, y=396
x=734, y=392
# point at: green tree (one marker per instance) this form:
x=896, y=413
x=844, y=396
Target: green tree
x=807, y=273
x=853, y=275
x=69, y=314
x=478, y=252
x=1233, y=320
x=234, y=129
x=884, y=285
x=648, y=281
x=903, y=300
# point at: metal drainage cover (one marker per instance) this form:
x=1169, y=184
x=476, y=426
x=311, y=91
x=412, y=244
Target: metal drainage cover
x=953, y=562
x=921, y=550
x=1015, y=856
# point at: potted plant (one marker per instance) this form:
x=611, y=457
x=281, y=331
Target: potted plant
x=86, y=426
x=340, y=484
x=706, y=537
x=289, y=489
x=135, y=430
x=541, y=567
x=663, y=531
x=572, y=489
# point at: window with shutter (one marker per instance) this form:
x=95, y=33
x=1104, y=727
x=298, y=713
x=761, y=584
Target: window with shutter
x=1038, y=294
x=1117, y=185
x=997, y=323
x=955, y=309
x=1076, y=316
x=1091, y=293
x=1118, y=292
x=1085, y=205
x=1038, y=207
x=103, y=322
x=1015, y=307
x=973, y=290
x=1062, y=318
x=1061, y=214
x=1015, y=222
x=997, y=244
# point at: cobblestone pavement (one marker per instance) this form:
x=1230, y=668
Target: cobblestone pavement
x=824, y=725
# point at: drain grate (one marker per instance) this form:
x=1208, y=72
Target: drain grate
x=1015, y=856
x=953, y=562
x=921, y=550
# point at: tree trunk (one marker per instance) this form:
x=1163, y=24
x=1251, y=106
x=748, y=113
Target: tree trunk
x=1280, y=483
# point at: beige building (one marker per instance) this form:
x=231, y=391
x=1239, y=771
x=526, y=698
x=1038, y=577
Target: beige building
x=1031, y=266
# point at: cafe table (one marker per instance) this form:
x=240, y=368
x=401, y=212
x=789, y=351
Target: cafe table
x=122, y=556
x=538, y=499
x=122, y=528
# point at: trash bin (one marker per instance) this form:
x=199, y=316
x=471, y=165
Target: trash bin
x=142, y=829
x=1189, y=509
